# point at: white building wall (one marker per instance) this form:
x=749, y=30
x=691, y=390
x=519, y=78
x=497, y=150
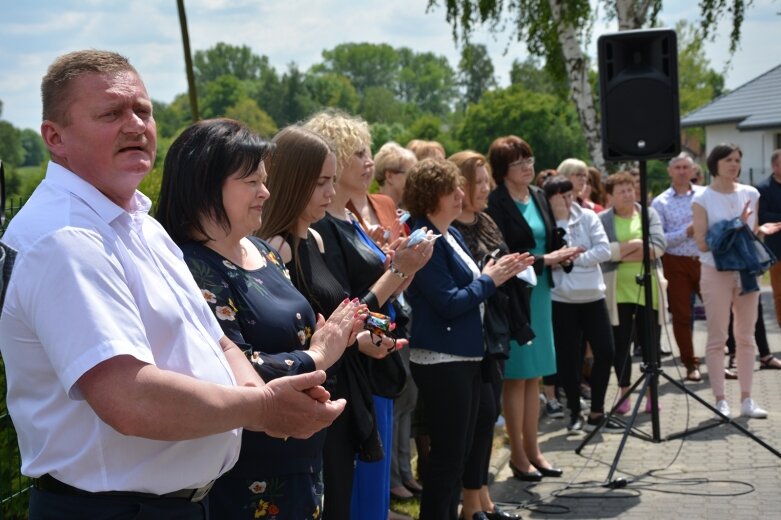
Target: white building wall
x=757, y=146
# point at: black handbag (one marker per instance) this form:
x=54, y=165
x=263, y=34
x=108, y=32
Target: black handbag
x=511, y=300
x=496, y=325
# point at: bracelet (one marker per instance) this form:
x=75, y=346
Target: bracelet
x=395, y=270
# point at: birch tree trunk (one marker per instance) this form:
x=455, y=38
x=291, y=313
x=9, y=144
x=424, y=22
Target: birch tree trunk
x=575, y=62
x=632, y=14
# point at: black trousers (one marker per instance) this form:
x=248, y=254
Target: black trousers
x=572, y=324
x=631, y=327
x=338, y=469
x=45, y=505
x=451, y=396
x=479, y=458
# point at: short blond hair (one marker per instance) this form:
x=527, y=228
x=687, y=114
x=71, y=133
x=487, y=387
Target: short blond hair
x=391, y=157
x=349, y=134
x=56, y=92
x=571, y=166
x=426, y=149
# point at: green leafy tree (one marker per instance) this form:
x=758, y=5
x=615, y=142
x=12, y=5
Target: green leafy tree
x=220, y=94
x=297, y=102
x=535, y=77
x=332, y=90
x=248, y=112
x=364, y=64
x=382, y=133
x=11, y=150
x=431, y=128
x=698, y=83
x=269, y=93
x=427, y=81
x=475, y=72
x=379, y=105
x=172, y=117
x=228, y=60
x=549, y=124
x=34, y=149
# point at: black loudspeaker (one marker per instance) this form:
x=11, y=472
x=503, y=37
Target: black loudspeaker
x=638, y=87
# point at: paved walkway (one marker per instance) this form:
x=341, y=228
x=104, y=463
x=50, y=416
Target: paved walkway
x=716, y=474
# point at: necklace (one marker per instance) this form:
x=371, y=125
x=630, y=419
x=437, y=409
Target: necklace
x=523, y=199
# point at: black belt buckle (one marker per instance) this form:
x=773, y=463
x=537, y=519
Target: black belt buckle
x=48, y=483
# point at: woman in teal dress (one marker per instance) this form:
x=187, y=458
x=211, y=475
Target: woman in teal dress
x=522, y=213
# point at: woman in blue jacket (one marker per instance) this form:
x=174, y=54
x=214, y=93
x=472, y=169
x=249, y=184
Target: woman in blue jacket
x=447, y=331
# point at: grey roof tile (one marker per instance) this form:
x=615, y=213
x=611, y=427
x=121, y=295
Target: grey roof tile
x=754, y=105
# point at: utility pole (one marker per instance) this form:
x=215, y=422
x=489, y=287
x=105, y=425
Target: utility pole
x=188, y=62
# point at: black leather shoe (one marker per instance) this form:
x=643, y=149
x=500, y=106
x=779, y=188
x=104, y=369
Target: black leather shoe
x=548, y=472
x=480, y=515
x=498, y=514
x=526, y=476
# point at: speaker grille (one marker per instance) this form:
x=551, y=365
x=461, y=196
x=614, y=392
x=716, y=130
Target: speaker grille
x=639, y=94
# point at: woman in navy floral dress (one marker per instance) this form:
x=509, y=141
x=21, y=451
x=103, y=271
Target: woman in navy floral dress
x=211, y=199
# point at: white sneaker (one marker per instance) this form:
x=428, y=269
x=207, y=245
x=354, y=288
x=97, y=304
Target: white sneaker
x=749, y=408
x=723, y=407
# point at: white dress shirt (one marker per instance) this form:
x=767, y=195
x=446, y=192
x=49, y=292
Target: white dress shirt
x=93, y=281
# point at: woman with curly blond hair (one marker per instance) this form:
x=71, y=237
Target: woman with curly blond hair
x=365, y=272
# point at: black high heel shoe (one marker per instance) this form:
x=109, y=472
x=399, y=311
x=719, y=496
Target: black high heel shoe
x=498, y=514
x=525, y=476
x=548, y=472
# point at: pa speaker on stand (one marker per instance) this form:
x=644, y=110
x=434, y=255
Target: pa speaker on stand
x=638, y=86
x=638, y=78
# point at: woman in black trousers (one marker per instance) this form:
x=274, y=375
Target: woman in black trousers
x=447, y=333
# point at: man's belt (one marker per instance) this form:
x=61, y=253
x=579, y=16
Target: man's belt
x=48, y=483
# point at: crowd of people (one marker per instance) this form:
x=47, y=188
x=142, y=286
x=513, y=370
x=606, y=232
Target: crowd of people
x=298, y=309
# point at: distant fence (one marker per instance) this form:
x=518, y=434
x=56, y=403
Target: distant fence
x=14, y=487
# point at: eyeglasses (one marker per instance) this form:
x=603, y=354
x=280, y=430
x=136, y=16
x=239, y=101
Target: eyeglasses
x=523, y=163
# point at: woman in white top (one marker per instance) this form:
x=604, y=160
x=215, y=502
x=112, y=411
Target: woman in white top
x=726, y=199
x=579, y=309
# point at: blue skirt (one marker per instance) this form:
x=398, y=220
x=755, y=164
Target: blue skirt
x=371, y=480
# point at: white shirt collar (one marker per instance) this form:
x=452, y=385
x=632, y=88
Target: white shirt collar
x=104, y=207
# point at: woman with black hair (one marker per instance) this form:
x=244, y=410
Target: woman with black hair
x=212, y=196
x=579, y=310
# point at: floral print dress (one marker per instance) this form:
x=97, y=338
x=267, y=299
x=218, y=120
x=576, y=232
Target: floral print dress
x=272, y=322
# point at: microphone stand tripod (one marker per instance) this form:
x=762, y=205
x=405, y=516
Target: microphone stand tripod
x=649, y=380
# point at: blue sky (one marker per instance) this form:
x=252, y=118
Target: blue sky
x=147, y=31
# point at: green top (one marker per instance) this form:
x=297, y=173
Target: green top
x=627, y=289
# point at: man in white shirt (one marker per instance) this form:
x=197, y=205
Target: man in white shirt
x=125, y=394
